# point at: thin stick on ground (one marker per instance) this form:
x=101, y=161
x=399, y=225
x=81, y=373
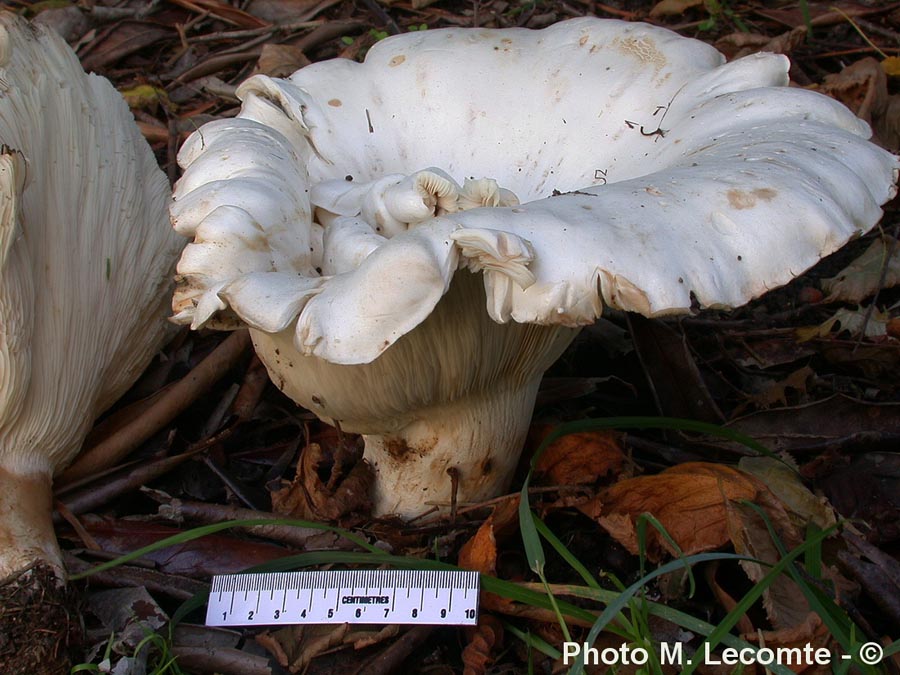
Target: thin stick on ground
x=178, y=398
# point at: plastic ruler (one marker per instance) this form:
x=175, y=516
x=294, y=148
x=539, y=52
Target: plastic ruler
x=344, y=596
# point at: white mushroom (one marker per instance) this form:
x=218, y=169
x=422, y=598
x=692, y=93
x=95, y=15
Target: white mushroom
x=651, y=174
x=85, y=257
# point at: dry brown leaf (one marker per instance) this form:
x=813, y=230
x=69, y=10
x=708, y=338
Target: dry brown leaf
x=862, y=87
x=810, y=631
x=309, y=497
x=273, y=643
x=802, y=505
x=776, y=392
x=128, y=37
x=294, y=647
x=280, y=60
x=893, y=328
x=69, y=21
x=785, y=604
x=858, y=322
x=484, y=641
x=863, y=277
x=317, y=639
x=737, y=45
x=283, y=11
x=887, y=124
x=362, y=639
x=673, y=7
x=480, y=552
x=582, y=458
x=723, y=597
x=689, y=500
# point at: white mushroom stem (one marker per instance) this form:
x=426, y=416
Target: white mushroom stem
x=480, y=436
x=455, y=393
x=26, y=525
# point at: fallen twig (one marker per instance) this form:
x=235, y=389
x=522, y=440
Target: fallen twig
x=200, y=512
x=175, y=400
x=171, y=585
x=392, y=657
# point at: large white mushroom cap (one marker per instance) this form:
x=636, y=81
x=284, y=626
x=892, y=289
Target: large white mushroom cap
x=617, y=164
x=86, y=259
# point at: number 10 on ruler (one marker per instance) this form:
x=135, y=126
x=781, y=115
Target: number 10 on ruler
x=345, y=596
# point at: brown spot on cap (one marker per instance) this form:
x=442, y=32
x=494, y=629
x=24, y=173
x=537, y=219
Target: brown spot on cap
x=742, y=199
x=335, y=103
x=397, y=60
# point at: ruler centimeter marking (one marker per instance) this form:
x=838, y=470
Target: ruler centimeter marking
x=344, y=596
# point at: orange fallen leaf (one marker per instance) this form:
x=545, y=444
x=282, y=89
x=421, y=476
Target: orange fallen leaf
x=582, y=458
x=689, y=500
x=480, y=552
x=673, y=7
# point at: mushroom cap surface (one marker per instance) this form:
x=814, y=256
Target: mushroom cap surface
x=652, y=177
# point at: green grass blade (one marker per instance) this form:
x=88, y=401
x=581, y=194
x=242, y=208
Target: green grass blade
x=536, y=642
x=614, y=608
x=565, y=553
x=197, y=532
x=756, y=592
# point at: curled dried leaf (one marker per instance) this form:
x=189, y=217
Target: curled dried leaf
x=280, y=60
x=862, y=87
x=326, y=487
x=802, y=505
x=784, y=602
x=480, y=552
x=483, y=643
x=809, y=633
x=878, y=267
x=859, y=322
x=737, y=45
x=689, y=500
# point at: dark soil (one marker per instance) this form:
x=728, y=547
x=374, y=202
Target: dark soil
x=40, y=624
